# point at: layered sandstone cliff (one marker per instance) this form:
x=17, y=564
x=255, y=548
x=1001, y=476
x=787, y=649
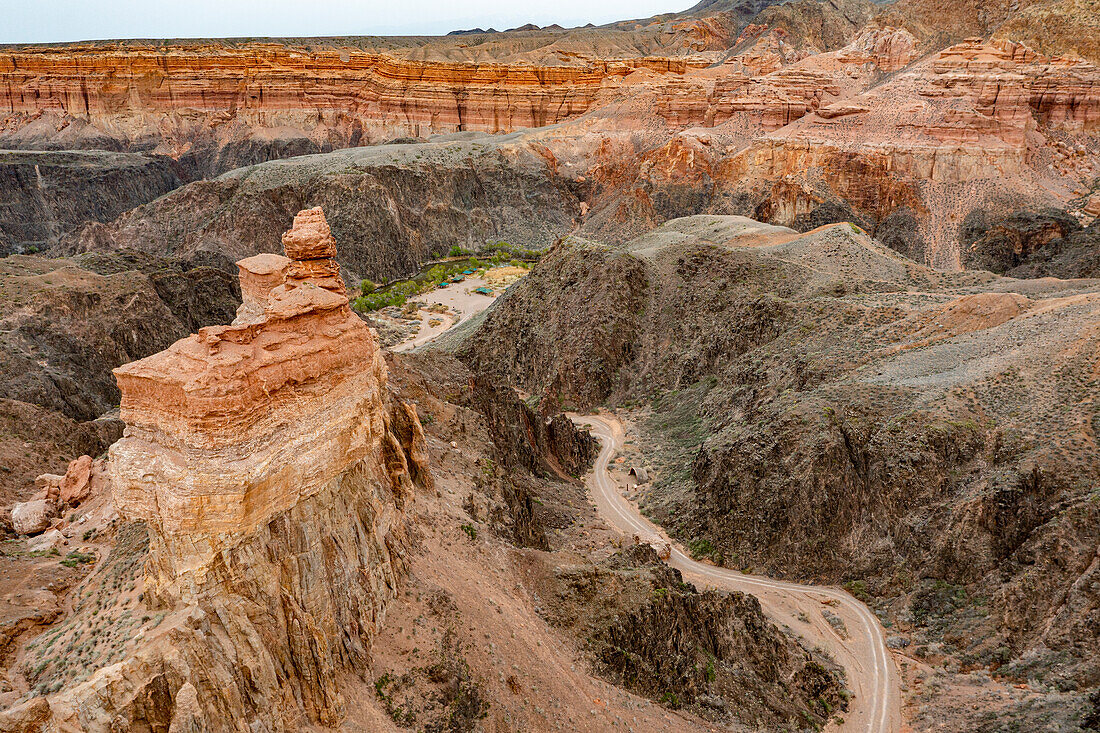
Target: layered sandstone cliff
x=209, y=103
x=954, y=132
x=961, y=116
x=271, y=466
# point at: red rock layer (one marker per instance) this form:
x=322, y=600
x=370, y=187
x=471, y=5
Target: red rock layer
x=270, y=84
x=771, y=84
x=1011, y=84
x=963, y=115
x=771, y=101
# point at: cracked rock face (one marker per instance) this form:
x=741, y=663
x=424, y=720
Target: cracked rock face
x=271, y=466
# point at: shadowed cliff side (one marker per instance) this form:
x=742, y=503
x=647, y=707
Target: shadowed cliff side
x=817, y=406
x=45, y=195
x=392, y=206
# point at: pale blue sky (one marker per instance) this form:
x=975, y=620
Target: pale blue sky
x=43, y=21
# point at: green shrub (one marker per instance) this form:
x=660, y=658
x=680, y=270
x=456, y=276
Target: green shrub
x=858, y=588
x=74, y=559
x=396, y=294
x=702, y=548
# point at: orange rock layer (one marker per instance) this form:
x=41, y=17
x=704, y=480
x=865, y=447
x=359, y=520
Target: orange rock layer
x=270, y=84
x=236, y=424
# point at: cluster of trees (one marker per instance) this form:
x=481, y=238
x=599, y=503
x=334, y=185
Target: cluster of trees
x=372, y=297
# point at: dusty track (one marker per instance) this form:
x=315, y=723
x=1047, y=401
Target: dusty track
x=857, y=644
x=460, y=297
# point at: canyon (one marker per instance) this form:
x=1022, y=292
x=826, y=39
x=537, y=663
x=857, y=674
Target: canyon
x=819, y=276
x=819, y=408
x=247, y=444
x=905, y=146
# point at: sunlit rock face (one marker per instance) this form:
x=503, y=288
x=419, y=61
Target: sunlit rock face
x=236, y=424
x=272, y=467
x=218, y=106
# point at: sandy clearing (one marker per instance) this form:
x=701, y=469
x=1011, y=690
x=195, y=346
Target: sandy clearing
x=459, y=297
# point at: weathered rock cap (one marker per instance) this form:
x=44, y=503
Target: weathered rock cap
x=260, y=274
x=310, y=238
x=312, y=251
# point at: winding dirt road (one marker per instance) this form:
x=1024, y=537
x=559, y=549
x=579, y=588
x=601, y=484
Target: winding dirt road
x=853, y=637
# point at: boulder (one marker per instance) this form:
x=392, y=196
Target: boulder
x=77, y=483
x=33, y=517
x=49, y=486
x=47, y=541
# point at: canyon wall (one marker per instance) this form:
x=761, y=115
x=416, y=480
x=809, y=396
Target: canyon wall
x=217, y=107
x=825, y=408
x=392, y=206
x=905, y=145
x=271, y=466
x=46, y=194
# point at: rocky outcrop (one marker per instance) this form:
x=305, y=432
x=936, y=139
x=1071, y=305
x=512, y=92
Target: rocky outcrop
x=584, y=365
x=259, y=275
x=271, y=466
x=312, y=252
x=887, y=49
x=771, y=101
x=76, y=484
x=1012, y=81
x=238, y=424
x=45, y=195
x=393, y=206
x=938, y=24
x=83, y=478
x=965, y=116
x=715, y=654
x=526, y=439
x=812, y=25
x=962, y=128
x=1004, y=245
x=1028, y=243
